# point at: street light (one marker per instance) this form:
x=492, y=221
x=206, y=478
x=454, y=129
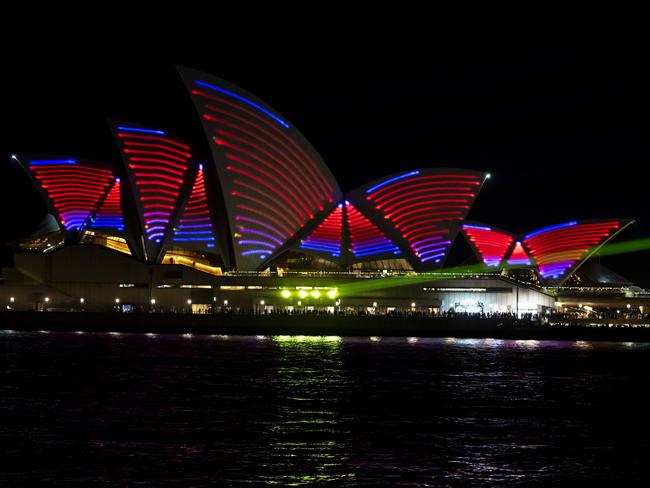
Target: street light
x=374, y=304
x=189, y=302
x=47, y=299
x=225, y=303
x=412, y=304
x=12, y=299
x=82, y=300
x=153, y=301
x=117, y=300
x=262, y=302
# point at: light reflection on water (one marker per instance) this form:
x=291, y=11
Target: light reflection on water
x=307, y=446
x=320, y=410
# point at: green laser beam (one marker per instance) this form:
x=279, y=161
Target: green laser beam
x=637, y=245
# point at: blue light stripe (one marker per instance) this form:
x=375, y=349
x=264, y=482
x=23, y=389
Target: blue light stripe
x=435, y=256
x=256, y=251
x=145, y=131
x=49, y=162
x=479, y=227
x=370, y=253
x=189, y=233
x=188, y=239
x=245, y=100
x=385, y=247
x=396, y=178
x=319, y=247
x=552, y=227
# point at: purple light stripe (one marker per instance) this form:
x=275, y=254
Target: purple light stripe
x=257, y=251
x=260, y=243
x=430, y=251
x=428, y=246
x=195, y=226
x=201, y=219
x=262, y=224
x=260, y=233
x=429, y=258
x=428, y=239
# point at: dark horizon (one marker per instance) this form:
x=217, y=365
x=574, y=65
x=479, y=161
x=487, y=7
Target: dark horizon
x=561, y=132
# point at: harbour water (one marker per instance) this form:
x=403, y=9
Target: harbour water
x=100, y=409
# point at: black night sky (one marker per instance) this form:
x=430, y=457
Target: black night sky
x=564, y=132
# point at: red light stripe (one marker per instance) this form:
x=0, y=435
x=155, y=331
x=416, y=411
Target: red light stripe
x=310, y=203
x=182, y=154
x=159, y=161
x=154, y=138
x=275, y=205
x=309, y=188
x=399, y=184
x=323, y=190
x=278, y=179
x=423, y=188
x=256, y=211
x=283, y=222
x=301, y=213
x=419, y=186
x=303, y=156
x=173, y=157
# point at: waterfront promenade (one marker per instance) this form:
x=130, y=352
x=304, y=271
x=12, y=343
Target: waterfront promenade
x=325, y=324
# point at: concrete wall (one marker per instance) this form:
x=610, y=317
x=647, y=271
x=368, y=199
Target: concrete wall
x=100, y=276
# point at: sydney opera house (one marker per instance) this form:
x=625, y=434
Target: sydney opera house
x=263, y=225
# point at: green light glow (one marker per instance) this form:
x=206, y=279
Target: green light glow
x=306, y=338
x=369, y=285
x=331, y=294
x=285, y=293
x=315, y=294
x=302, y=293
